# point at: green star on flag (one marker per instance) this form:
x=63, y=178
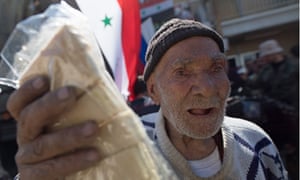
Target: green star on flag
x=107, y=21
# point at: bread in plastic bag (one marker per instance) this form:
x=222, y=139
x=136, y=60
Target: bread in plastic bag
x=60, y=44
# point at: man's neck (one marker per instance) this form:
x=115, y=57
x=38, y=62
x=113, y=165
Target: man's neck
x=190, y=148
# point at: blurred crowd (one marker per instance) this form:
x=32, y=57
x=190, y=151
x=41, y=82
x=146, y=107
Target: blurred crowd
x=142, y=103
x=266, y=91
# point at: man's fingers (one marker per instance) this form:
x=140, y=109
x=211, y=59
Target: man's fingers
x=59, y=142
x=62, y=166
x=27, y=93
x=42, y=112
x=41, y=153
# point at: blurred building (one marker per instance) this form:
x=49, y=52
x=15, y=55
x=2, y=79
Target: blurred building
x=246, y=23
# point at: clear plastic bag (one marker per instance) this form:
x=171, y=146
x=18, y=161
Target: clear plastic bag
x=59, y=43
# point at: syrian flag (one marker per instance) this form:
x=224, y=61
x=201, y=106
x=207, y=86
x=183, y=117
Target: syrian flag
x=117, y=27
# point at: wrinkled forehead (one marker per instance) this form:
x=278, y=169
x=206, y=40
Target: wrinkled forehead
x=214, y=57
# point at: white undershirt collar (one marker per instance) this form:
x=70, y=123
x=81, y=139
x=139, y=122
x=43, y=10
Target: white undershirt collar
x=207, y=166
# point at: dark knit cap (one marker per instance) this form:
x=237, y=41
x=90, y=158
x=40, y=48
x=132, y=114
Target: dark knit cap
x=172, y=32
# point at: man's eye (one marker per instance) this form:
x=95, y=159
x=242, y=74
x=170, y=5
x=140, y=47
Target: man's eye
x=181, y=73
x=218, y=68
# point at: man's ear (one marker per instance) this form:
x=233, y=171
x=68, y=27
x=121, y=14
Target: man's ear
x=152, y=92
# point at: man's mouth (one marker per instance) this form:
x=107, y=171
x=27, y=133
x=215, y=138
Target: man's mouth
x=200, y=112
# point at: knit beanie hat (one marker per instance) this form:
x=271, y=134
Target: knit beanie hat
x=172, y=32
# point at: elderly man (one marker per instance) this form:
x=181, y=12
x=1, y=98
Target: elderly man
x=186, y=76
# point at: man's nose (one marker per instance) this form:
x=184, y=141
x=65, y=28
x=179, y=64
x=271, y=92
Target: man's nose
x=203, y=84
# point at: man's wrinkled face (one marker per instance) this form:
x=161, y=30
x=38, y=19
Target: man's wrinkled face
x=191, y=85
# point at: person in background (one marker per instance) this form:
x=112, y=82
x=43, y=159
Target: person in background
x=278, y=84
x=252, y=68
x=185, y=75
x=294, y=50
x=279, y=78
x=142, y=103
x=241, y=81
x=233, y=77
x=8, y=144
x=243, y=73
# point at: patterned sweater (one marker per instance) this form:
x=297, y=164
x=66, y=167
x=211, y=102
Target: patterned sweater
x=249, y=153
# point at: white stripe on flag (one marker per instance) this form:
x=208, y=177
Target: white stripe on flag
x=106, y=21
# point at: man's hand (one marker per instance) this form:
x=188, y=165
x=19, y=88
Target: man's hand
x=43, y=155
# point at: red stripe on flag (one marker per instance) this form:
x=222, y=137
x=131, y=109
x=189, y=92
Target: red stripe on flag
x=131, y=38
